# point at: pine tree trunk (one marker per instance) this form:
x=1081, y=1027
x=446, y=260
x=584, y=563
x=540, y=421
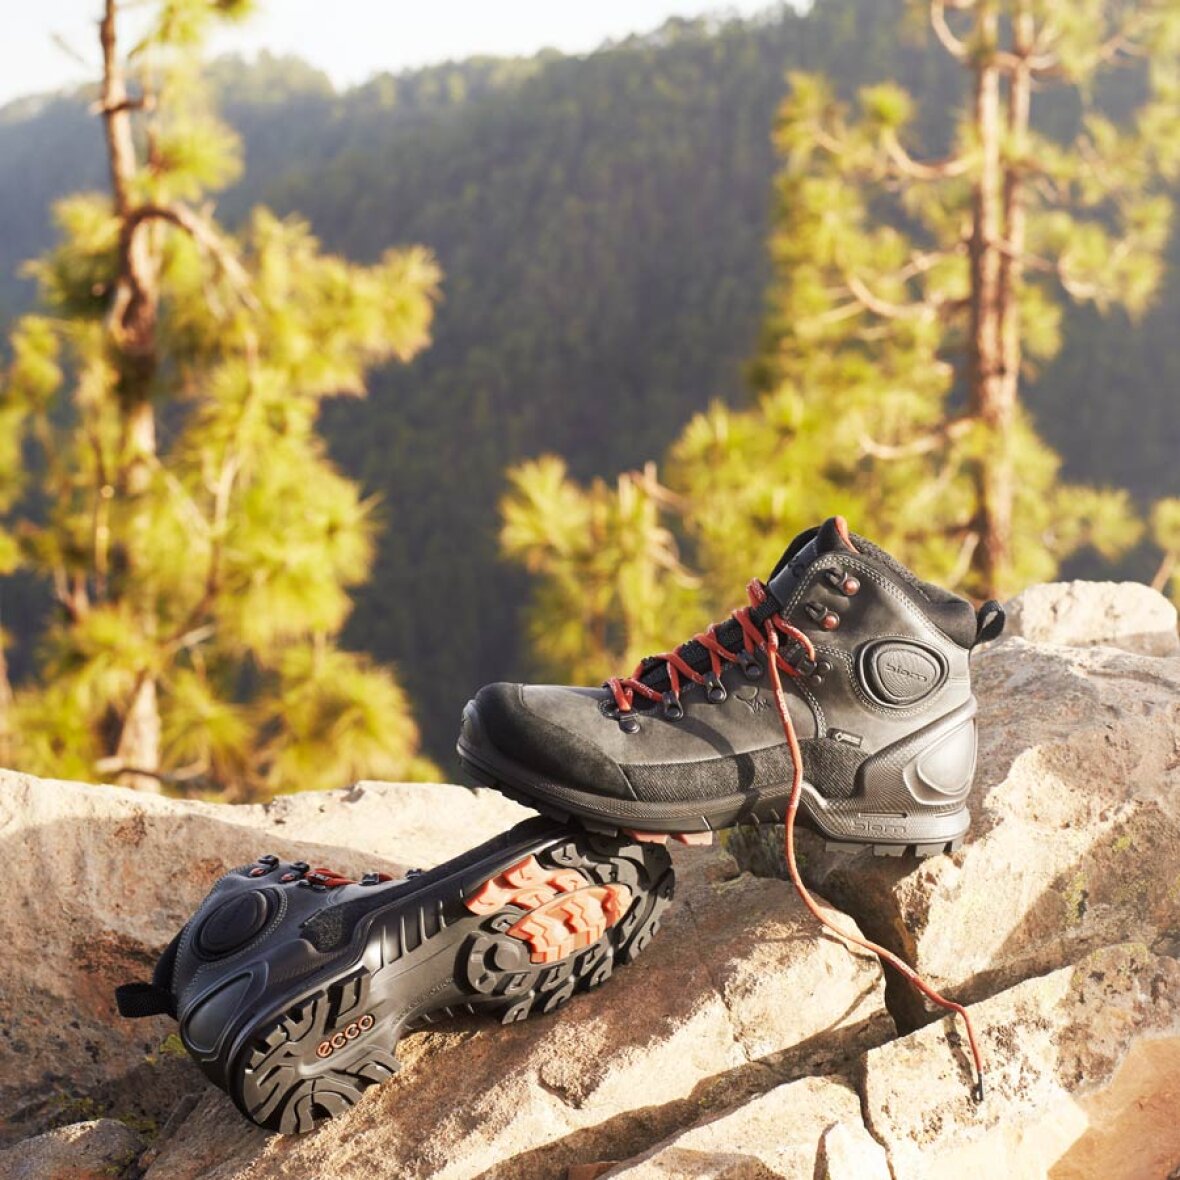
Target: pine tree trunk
x=991, y=400
x=132, y=324
x=139, y=741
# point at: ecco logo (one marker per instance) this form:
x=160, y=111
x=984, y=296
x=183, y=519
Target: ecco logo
x=876, y=828
x=902, y=670
x=340, y=1039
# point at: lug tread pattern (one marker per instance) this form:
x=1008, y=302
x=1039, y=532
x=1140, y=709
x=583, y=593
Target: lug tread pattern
x=316, y=1058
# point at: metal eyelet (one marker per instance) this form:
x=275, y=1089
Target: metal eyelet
x=714, y=689
x=822, y=668
x=750, y=666
x=628, y=723
x=673, y=709
x=827, y=619
x=844, y=582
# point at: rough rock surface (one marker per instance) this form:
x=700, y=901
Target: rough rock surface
x=95, y=1150
x=111, y=874
x=1084, y=1079
x=1127, y=615
x=742, y=1044
x=781, y=1133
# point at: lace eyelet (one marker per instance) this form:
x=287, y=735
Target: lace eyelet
x=673, y=709
x=841, y=580
x=750, y=666
x=628, y=723
x=822, y=668
x=827, y=619
x=714, y=690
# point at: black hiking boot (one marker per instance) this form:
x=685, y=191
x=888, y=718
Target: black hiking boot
x=878, y=693
x=292, y=985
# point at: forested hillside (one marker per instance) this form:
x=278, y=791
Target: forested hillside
x=600, y=225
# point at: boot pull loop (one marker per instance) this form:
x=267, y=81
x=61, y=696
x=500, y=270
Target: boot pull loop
x=989, y=622
x=136, y=1000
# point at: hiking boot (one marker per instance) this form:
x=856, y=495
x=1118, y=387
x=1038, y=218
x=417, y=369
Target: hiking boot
x=877, y=712
x=293, y=985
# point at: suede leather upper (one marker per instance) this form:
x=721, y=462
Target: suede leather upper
x=572, y=737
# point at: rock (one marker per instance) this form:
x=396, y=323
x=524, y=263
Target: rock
x=1129, y=615
x=848, y=1152
x=1075, y=837
x=1083, y=1079
x=99, y=1150
x=744, y=1042
x=737, y=994
x=777, y=1134
x=114, y=873
x=414, y=824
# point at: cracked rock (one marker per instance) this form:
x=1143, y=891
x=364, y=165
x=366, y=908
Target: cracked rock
x=1083, y=1079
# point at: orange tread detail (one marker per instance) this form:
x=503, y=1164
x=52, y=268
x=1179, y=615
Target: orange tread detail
x=570, y=922
x=525, y=884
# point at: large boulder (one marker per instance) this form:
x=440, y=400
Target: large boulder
x=103, y=878
x=1083, y=1079
x=744, y=1043
x=1128, y=615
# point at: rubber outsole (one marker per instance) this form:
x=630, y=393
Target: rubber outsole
x=518, y=938
x=561, y=804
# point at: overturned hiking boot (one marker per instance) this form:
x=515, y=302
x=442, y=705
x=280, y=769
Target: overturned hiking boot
x=293, y=985
x=874, y=663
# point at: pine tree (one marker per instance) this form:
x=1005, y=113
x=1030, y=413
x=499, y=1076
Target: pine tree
x=160, y=456
x=911, y=297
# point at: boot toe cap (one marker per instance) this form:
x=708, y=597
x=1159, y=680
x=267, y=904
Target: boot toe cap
x=546, y=731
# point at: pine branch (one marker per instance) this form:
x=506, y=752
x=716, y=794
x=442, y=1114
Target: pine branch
x=955, y=46
x=882, y=307
x=1167, y=568
x=202, y=233
x=925, y=445
x=913, y=169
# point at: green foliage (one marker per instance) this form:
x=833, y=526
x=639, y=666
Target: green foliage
x=874, y=295
x=215, y=567
x=602, y=225
x=610, y=581
x=857, y=386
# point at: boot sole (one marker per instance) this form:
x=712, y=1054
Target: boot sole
x=891, y=834
x=514, y=934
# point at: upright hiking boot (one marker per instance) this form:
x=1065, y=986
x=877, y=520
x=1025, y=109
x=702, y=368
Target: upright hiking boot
x=293, y=985
x=877, y=711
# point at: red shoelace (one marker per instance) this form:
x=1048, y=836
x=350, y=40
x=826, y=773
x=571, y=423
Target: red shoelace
x=766, y=638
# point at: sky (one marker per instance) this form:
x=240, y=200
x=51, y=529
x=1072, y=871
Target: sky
x=349, y=39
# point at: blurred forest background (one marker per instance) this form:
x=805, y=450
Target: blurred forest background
x=580, y=270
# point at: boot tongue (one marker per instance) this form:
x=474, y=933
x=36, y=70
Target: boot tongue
x=830, y=537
